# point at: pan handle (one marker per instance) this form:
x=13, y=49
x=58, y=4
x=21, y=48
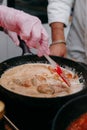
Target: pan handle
x=24, y=47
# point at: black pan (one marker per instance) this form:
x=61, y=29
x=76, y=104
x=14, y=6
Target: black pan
x=28, y=57
x=69, y=112
x=43, y=108
x=34, y=59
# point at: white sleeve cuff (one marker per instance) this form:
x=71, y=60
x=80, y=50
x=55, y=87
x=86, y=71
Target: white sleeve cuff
x=59, y=11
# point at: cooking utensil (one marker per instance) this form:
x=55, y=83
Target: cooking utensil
x=10, y=122
x=4, y=120
x=44, y=108
x=39, y=111
x=69, y=112
x=58, y=70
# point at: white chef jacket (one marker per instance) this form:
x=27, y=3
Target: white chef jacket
x=59, y=11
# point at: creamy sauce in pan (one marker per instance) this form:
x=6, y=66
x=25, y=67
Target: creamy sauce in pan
x=39, y=80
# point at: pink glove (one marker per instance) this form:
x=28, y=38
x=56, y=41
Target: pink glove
x=28, y=27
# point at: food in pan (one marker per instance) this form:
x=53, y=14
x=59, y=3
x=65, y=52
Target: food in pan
x=79, y=124
x=39, y=80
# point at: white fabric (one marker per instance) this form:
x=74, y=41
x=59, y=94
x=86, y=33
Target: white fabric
x=77, y=37
x=59, y=10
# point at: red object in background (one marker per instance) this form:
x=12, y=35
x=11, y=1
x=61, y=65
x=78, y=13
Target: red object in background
x=79, y=124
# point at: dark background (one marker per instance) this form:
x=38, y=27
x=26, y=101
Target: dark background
x=33, y=7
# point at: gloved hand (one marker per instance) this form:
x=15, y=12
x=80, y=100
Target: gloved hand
x=28, y=27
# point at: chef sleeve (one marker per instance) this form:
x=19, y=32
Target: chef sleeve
x=59, y=11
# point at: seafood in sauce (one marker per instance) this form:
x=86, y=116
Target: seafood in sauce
x=39, y=80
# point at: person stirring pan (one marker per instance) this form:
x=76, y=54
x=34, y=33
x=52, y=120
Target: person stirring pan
x=29, y=28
